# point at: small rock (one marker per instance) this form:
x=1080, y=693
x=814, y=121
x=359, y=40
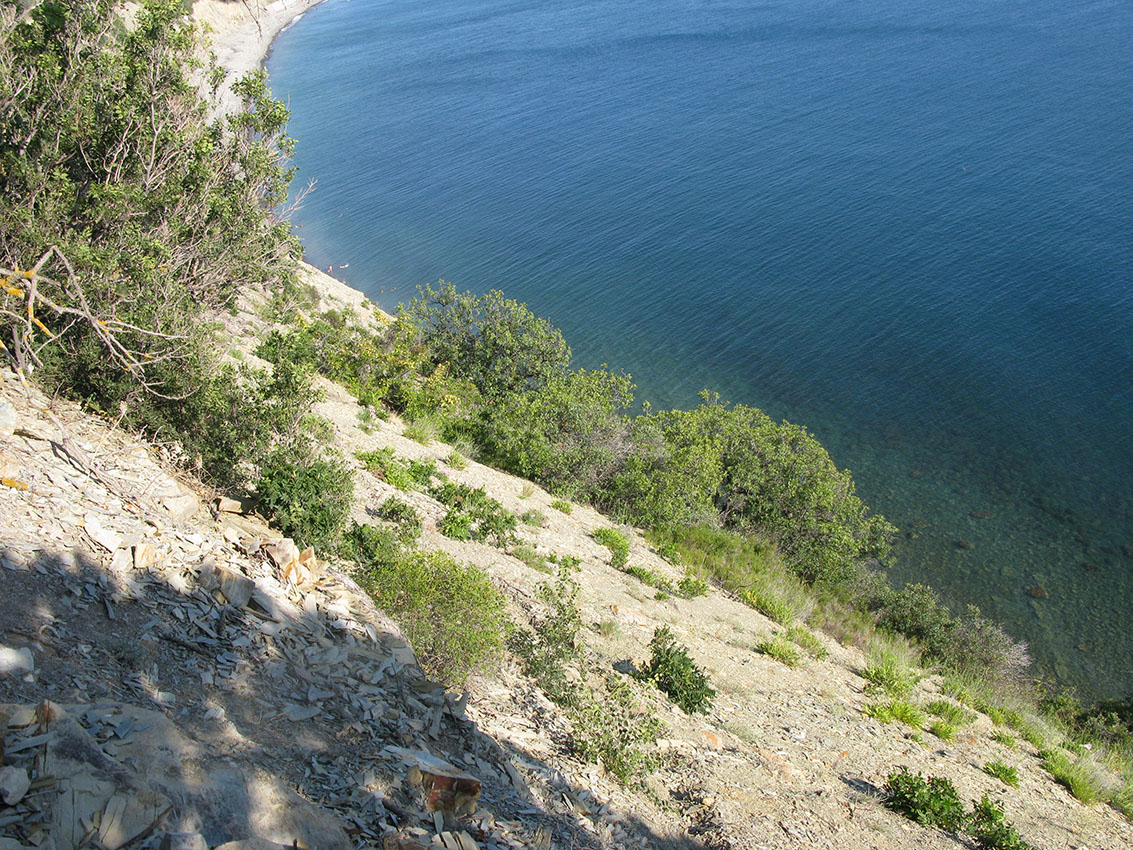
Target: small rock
x=14, y=783
x=296, y=713
x=283, y=553
x=13, y=662
x=981, y=514
x=236, y=587
x=8, y=419
x=1037, y=592
x=963, y=544
x=182, y=507
x=104, y=537
x=254, y=843
x=231, y=506
x=145, y=555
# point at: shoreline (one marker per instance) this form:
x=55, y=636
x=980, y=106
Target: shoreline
x=241, y=35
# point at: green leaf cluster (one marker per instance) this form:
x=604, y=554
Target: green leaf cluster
x=676, y=675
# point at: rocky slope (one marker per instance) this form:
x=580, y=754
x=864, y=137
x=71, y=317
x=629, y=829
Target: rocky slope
x=175, y=674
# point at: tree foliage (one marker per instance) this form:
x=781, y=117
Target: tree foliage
x=494, y=342
x=158, y=214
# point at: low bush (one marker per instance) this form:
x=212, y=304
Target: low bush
x=404, y=474
x=551, y=646
x=806, y=640
x=1079, y=775
x=473, y=515
x=942, y=729
x=611, y=728
x=454, y=617
x=560, y=505
x=530, y=556
x=770, y=605
x=307, y=496
x=931, y=802
x=403, y=516
x=691, y=586
x=1004, y=738
x=421, y=431
x=956, y=715
x=890, y=668
x=616, y=542
x=899, y=710
x=676, y=675
x=650, y=578
x=533, y=518
x=1007, y=774
x=456, y=460
x=989, y=826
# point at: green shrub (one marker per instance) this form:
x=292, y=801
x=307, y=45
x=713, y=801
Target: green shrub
x=616, y=542
x=760, y=476
x=780, y=650
x=551, y=646
x=403, y=515
x=533, y=518
x=676, y=675
x=492, y=341
x=560, y=505
x=932, y=802
x=990, y=828
x=806, y=640
x=308, y=497
x=473, y=515
x=456, y=460
x=452, y=614
x=691, y=586
x=1004, y=772
x=569, y=434
x=609, y=727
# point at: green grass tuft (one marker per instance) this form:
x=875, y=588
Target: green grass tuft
x=1003, y=772
x=780, y=650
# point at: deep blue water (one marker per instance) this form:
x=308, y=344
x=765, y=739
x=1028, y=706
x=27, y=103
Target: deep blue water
x=907, y=225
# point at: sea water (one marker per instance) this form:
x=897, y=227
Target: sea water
x=904, y=224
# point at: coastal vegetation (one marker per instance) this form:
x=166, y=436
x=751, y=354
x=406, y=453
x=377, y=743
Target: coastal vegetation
x=132, y=220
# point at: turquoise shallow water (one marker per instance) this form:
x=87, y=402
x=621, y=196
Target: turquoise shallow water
x=906, y=225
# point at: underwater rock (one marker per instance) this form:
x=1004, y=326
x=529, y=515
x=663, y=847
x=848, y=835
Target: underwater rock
x=981, y=514
x=1037, y=592
x=963, y=544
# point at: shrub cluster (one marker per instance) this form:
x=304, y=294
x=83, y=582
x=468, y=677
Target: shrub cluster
x=472, y=514
x=935, y=802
